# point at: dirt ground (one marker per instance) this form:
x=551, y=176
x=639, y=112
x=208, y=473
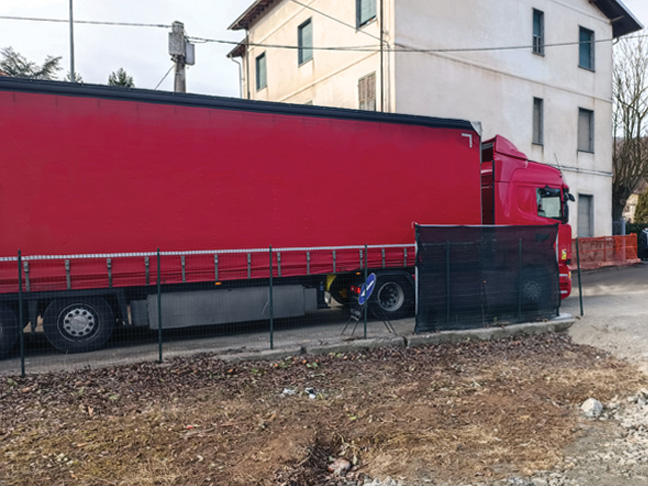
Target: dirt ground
x=439, y=413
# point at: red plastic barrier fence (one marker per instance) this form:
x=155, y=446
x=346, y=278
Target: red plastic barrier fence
x=605, y=251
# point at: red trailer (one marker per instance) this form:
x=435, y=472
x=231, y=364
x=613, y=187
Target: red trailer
x=94, y=179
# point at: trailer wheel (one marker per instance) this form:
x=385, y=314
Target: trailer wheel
x=392, y=299
x=8, y=329
x=78, y=325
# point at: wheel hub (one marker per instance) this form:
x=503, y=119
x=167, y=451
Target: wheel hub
x=391, y=296
x=78, y=322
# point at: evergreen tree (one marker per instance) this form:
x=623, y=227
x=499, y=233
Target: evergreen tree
x=77, y=77
x=641, y=212
x=121, y=78
x=18, y=66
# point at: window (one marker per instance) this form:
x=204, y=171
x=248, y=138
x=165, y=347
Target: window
x=261, y=76
x=585, y=216
x=367, y=92
x=586, y=48
x=538, y=32
x=585, y=130
x=305, y=42
x=365, y=11
x=549, y=203
x=538, y=121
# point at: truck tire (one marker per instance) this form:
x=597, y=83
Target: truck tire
x=78, y=325
x=392, y=299
x=8, y=329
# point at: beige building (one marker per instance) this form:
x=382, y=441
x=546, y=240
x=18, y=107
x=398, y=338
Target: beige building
x=538, y=72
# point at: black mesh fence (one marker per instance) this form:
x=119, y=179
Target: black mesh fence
x=475, y=276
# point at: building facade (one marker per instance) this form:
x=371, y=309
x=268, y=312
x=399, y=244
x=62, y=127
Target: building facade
x=538, y=72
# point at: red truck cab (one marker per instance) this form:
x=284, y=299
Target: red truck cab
x=518, y=191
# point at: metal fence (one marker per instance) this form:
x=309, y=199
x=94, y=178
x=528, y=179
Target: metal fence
x=152, y=305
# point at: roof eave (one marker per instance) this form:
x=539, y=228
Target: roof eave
x=238, y=51
x=252, y=14
x=622, y=19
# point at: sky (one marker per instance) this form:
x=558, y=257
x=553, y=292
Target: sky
x=142, y=51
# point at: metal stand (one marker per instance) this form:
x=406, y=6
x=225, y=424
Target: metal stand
x=357, y=311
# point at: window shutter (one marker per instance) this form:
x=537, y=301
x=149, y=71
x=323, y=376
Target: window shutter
x=362, y=93
x=371, y=92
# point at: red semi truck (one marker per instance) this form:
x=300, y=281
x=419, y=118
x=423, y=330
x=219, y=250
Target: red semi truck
x=94, y=179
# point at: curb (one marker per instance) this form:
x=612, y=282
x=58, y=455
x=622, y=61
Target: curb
x=559, y=324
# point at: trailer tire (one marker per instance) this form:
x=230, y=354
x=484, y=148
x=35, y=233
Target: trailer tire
x=393, y=298
x=8, y=329
x=78, y=325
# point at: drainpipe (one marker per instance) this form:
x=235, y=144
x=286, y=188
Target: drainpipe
x=240, y=73
x=247, y=63
x=382, y=58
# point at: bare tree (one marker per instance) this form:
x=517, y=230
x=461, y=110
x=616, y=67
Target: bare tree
x=630, y=119
x=18, y=66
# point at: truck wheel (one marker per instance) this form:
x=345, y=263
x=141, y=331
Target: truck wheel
x=392, y=299
x=79, y=325
x=534, y=287
x=8, y=329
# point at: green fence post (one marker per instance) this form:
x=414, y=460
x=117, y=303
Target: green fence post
x=365, y=286
x=159, y=306
x=580, y=286
x=448, y=282
x=271, y=305
x=21, y=329
x=520, y=280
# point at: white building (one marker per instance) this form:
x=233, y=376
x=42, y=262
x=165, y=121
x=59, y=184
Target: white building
x=538, y=72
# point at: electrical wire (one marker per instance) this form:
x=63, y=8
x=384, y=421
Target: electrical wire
x=368, y=49
x=92, y=22
x=164, y=77
x=400, y=48
x=334, y=19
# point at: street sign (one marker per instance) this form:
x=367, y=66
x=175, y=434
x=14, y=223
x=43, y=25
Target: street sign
x=367, y=289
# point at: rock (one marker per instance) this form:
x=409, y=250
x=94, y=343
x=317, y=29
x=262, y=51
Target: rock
x=592, y=408
x=288, y=391
x=340, y=466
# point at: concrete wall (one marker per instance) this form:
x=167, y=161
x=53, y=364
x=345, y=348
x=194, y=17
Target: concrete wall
x=331, y=77
x=497, y=87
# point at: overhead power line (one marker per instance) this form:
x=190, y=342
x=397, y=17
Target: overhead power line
x=335, y=19
x=400, y=48
x=92, y=22
x=360, y=48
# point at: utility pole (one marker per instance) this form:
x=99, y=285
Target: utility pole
x=72, y=71
x=182, y=54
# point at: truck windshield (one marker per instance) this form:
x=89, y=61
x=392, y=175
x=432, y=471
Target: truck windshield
x=549, y=203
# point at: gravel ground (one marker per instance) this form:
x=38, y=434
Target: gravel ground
x=612, y=449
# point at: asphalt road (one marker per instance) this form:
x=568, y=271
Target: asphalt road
x=615, y=302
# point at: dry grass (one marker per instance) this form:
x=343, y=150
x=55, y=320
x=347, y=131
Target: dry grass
x=445, y=412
